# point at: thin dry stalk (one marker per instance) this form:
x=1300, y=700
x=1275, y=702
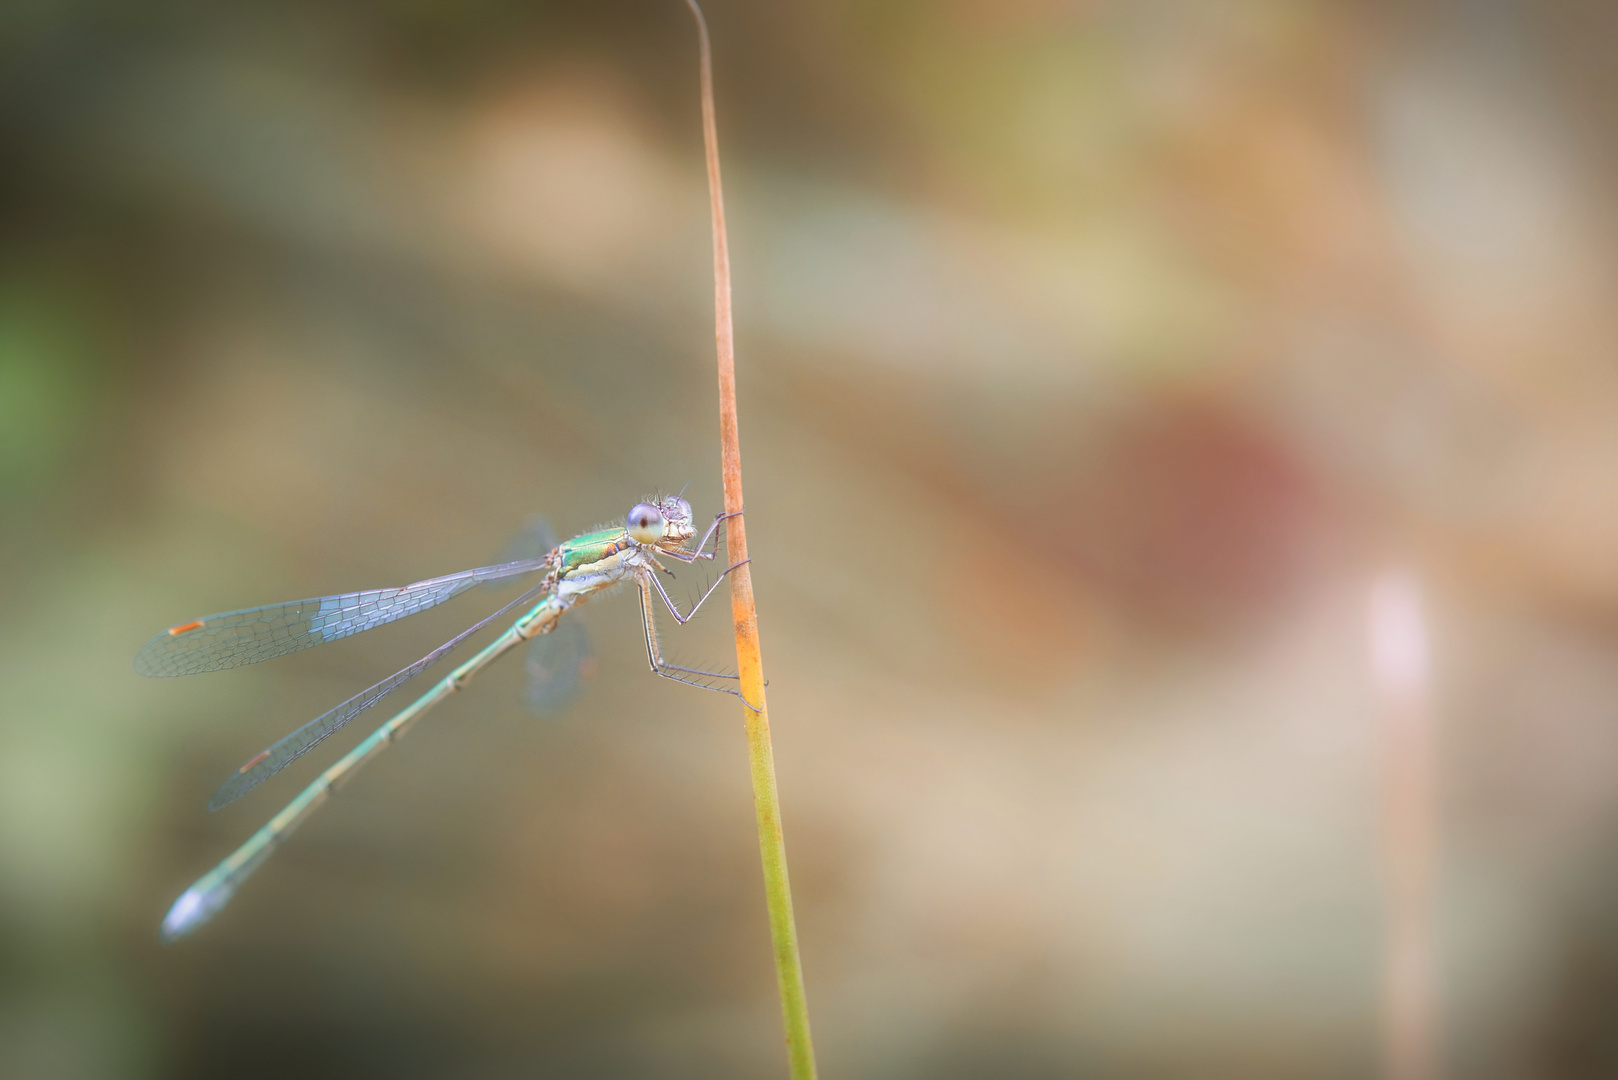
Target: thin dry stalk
x=749, y=664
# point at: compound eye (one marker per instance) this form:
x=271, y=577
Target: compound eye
x=645, y=523
x=677, y=509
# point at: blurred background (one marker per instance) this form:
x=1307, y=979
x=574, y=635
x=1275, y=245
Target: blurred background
x=1095, y=360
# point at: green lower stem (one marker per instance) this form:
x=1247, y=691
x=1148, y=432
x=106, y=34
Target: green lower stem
x=778, y=898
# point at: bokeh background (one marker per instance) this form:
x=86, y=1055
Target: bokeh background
x=1095, y=360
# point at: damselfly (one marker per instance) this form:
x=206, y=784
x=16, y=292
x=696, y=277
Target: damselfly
x=573, y=572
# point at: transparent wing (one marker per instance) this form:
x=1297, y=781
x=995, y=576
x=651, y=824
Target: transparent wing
x=558, y=663
x=533, y=541
x=234, y=638
x=283, y=753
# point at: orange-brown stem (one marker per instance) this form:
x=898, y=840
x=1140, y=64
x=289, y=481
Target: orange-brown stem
x=749, y=663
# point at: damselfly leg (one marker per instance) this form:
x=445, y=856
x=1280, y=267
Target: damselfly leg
x=654, y=650
x=697, y=552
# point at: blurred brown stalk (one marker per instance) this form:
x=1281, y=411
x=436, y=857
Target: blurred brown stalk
x=1410, y=1013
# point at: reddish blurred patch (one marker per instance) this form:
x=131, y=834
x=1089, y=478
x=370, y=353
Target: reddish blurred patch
x=1191, y=516
x=1176, y=515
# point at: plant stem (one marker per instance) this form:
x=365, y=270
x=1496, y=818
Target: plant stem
x=749, y=664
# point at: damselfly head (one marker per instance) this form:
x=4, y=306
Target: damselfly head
x=667, y=521
x=677, y=512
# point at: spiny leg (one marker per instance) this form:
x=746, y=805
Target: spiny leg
x=688, y=616
x=654, y=651
x=683, y=619
x=697, y=552
x=676, y=667
x=712, y=528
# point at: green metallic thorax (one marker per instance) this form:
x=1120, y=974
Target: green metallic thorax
x=584, y=551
